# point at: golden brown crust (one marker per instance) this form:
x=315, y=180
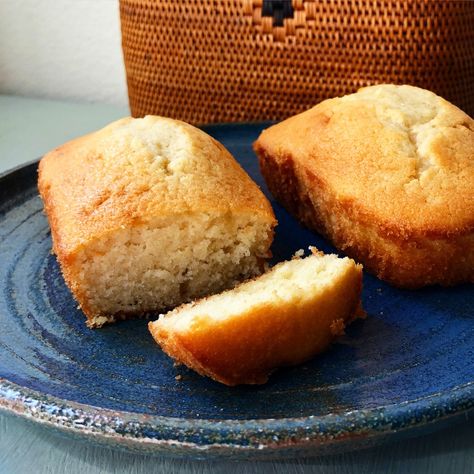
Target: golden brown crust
x=409, y=262
x=333, y=168
x=247, y=348
x=105, y=180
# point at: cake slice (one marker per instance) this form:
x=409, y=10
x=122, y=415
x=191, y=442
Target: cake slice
x=149, y=213
x=281, y=318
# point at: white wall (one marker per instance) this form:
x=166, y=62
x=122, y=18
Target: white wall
x=67, y=49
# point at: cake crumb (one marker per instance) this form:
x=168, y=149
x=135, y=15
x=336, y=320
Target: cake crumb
x=179, y=377
x=315, y=251
x=298, y=254
x=337, y=327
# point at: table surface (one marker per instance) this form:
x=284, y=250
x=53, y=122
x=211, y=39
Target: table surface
x=29, y=128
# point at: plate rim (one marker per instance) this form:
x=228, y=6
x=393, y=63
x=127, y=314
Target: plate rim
x=223, y=436
x=267, y=434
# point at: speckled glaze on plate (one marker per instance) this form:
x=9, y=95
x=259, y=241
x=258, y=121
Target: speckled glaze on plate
x=407, y=368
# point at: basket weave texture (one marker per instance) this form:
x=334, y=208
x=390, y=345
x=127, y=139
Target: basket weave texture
x=207, y=61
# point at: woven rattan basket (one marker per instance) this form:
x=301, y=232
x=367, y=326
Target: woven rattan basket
x=250, y=60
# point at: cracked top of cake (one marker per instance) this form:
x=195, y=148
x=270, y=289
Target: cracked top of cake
x=398, y=155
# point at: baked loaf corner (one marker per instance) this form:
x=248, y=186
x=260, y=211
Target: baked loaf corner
x=387, y=174
x=149, y=213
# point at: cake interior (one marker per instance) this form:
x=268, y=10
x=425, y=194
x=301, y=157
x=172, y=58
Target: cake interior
x=159, y=264
x=289, y=283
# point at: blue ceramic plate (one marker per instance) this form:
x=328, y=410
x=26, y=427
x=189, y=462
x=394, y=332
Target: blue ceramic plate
x=408, y=367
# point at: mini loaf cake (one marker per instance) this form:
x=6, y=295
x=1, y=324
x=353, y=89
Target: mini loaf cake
x=281, y=318
x=387, y=174
x=149, y=213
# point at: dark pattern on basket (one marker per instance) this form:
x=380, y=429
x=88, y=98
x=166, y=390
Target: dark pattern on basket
x=226, y=60
x=278, y=10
